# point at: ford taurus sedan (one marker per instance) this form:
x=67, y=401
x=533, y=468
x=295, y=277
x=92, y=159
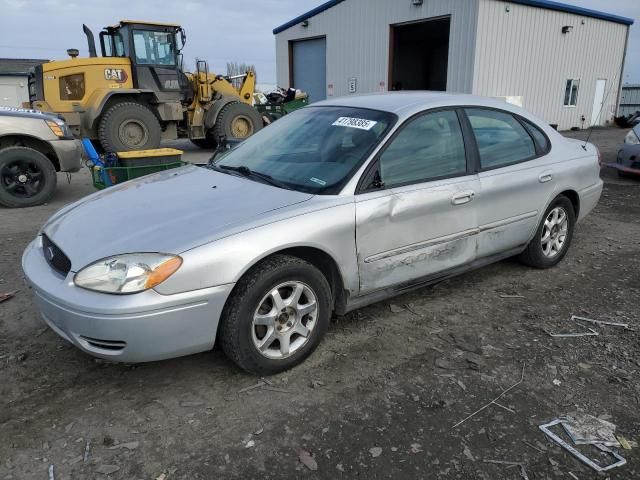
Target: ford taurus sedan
x=335, y=206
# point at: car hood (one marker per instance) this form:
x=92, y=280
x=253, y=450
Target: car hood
x=168, y=212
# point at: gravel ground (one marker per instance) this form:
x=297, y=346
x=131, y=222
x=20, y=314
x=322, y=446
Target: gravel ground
x=378, y=399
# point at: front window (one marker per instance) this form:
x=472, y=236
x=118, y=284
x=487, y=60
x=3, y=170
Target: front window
x=571, y=93
x=315, y=149
x=154, y=48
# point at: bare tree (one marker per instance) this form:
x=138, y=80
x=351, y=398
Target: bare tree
x=236, y=68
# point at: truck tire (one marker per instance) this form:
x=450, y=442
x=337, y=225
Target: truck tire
x=129, y=126
x=237, y=121
x=27, y=177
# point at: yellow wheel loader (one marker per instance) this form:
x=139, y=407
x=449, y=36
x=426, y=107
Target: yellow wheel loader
x=136, y=93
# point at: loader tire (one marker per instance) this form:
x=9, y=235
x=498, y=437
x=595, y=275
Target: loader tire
x=237, y=121
x=129, y=126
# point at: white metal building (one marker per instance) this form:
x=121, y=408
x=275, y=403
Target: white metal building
x=561, y=62
x=14, y=80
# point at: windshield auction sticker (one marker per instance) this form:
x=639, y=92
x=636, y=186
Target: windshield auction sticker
x=360, y=123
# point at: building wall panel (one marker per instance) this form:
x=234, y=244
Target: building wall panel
x=521, y=51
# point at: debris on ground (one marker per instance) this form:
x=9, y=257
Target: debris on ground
x=375, y=451
x=252, y=387
x=7, y=296
x=52, y=475
x=307, y=460
x=191, y=404
x=316, y=384
x=250, y=444
x=87, y=447
x=603, y=449
x=506, y=295
x=584, y=429
x=492, y=402
x=128, y=446
x=626, y=444
x=600, y=322
x=520, y=465
x=107, y=469
x=416, y=448
x=393, y=308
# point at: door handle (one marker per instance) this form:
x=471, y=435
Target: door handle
x=462, y=197
x=545, y=177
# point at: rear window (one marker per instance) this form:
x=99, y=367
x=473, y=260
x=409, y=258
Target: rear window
x=539, y=137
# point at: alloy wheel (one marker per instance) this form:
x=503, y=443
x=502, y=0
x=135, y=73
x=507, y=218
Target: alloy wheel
x=554, y=232
x=284, y=320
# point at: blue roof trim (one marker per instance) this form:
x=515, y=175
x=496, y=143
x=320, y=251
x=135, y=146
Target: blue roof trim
x=586, y=12
x=546, y=4
x=306, y=16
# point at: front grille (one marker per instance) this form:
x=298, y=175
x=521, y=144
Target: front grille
x=113, y=345
x=55, y=257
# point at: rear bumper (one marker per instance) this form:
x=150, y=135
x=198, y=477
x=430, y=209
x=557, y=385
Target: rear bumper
x=69, y=153
x=142, y=327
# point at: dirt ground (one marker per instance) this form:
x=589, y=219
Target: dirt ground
x=378, y=399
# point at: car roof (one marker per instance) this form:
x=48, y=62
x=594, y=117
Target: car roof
x=407, y=103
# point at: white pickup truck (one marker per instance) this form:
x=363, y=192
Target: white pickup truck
x=33, y=147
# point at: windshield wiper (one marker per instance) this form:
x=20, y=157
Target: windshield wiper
x=247, y=172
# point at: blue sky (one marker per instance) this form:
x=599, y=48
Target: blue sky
x=218, y=31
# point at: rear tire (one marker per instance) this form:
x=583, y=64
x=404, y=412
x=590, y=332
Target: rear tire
x=129, y=126
x=237, y=121
x=543, y=251
x=27, y=177
x=240, y=332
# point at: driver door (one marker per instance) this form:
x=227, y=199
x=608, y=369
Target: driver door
x=421, y=219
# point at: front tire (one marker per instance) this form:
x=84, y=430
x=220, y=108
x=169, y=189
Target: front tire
x=276, y=316
x=27, y=177
x=129, y=126
x=553, y=237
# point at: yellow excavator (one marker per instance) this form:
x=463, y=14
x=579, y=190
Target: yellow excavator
x=137, y=94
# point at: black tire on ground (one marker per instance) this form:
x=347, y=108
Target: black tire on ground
x=533, y=254
x=237, y=121
x=129, y=126
x=206, y=143
x=235, y=333
x=27, y=177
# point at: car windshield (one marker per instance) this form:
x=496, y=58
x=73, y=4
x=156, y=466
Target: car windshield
x=314, y=149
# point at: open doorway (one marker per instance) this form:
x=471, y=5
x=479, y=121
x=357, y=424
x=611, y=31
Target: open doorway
x=419, y=55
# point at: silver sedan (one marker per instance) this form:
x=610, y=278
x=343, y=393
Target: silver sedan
x=335, y=206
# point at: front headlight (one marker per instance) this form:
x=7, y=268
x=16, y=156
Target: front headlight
x=130, y=273
x=59, y=128
x=632, y=138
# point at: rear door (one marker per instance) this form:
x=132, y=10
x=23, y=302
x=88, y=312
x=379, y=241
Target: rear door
x=516, y=178
x=415, y=215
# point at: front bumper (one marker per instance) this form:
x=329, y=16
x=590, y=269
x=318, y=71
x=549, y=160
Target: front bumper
x=628, y=160
x=142, y=327
x=69, y=153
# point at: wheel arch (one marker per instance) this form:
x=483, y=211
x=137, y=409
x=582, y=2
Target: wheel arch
x=105, y=100
x=317, y=257
x=29, y=141
x=573, y=196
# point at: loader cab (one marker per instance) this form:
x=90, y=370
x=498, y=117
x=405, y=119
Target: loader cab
x=154, y=51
